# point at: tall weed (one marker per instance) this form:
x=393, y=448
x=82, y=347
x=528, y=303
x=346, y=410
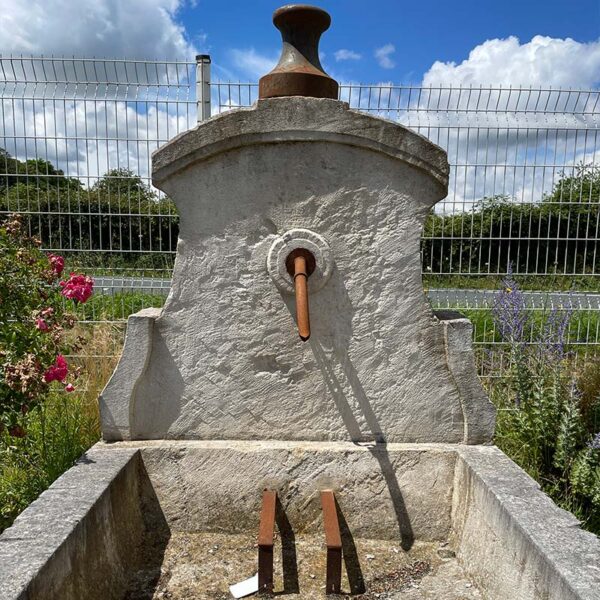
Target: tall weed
x=546, y=412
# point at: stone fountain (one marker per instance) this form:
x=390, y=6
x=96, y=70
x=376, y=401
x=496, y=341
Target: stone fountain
x=297, y=353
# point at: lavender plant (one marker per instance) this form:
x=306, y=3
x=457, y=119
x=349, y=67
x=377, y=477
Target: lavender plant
x=541, y=424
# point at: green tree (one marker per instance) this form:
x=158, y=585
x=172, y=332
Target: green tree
x=557, y=233
x=119, y=216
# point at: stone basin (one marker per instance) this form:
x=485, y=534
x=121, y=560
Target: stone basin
x=179, y=519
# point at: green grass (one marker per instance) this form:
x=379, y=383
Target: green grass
x=116, y=307
x=58, y=432
x=61, y=428
x=544, y=283
x=120, y=263
x=584, y=326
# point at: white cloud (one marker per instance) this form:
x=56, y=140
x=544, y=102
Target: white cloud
x=250, y=64
x=543, y=61
x=116, y=134
x=383, y=55
x=143, y=29
x=513, y=139
x=344, y=54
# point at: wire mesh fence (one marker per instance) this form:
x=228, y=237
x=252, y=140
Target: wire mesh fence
x=77, y=137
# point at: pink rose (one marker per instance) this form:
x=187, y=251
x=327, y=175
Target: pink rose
x=58, y=371
x=69, y=387
x=41, y=325
x=77, y=287
x=57, y=263
x=47, y=312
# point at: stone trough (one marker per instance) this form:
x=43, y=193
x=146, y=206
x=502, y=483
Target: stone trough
x=297, y=353
x=179, y=520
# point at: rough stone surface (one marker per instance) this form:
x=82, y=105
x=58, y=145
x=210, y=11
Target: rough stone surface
x=115, y=401
x=292, y=240
x=79, y=538
x=295, y=119
x=226, y=361
x=512, y=539
x=388, y=492
x=478, y=411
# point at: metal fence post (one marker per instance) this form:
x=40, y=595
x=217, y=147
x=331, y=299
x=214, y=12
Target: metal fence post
x=203, y=86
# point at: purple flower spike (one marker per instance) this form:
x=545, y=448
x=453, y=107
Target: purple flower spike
x=556, y=331
x=510, y=311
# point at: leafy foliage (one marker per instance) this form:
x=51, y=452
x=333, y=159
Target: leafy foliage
x=545, y=423
x=122, y=220
x=118, y=213
x=33, y=324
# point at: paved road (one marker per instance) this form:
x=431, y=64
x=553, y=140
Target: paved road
x=440, y=297
x=446, y=298
x=148, y=285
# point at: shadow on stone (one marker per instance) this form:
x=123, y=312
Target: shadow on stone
x=155, y=538
x=350, y=555
x=379, y=450
x=407, y=538
x=288, y=551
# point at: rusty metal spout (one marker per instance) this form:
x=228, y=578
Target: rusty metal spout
x=300, y=265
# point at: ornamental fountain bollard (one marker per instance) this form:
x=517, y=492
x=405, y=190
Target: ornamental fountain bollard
x=235, y=387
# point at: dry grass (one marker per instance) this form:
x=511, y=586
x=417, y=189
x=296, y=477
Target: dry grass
x=98, y=356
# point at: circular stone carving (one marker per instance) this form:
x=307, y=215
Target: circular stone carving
x=291, y=240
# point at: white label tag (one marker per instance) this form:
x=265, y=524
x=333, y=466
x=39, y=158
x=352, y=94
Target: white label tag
x=244, y=588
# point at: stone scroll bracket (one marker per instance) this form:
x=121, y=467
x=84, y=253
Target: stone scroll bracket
x=478, y=411
x=116, y=399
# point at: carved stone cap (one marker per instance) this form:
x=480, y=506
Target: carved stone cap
x=278, y=120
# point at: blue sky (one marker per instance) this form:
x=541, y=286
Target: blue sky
x=531, y=42
x=420, y=32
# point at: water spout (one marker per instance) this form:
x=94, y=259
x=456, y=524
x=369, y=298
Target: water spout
x=300, y=264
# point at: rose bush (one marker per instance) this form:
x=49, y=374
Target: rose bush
x=34, y=324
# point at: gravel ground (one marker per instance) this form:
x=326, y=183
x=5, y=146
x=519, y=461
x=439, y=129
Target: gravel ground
x=202, y=566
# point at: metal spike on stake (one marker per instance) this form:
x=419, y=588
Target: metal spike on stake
x=333, y=541
x=265, y=542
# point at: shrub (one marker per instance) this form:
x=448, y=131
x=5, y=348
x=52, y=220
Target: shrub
x=34, y=324
x=44, y=426
x=119, y=214
x=544, y=421
x=498, y=231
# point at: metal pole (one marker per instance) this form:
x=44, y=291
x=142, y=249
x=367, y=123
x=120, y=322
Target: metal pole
x=203, y=86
